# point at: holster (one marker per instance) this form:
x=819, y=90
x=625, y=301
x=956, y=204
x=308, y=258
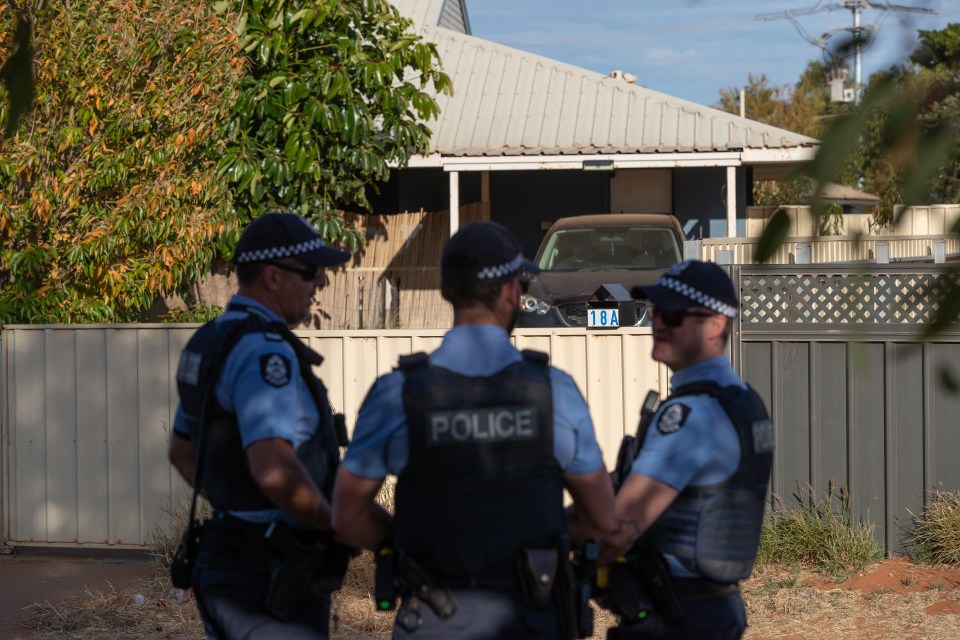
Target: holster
x=571, y=625
x=181, y=566
x=385, y=579
x=624, y=594
x=537, y=571
x=414, y=579
x=305, y=561
x=642, y=585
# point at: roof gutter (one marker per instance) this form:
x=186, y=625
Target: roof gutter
x=613, y=161
x=608, y=162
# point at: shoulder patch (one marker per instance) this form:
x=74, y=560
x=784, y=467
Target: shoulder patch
x=275, y=369
x=188, y=369
x=763, y=436
x=673, y=418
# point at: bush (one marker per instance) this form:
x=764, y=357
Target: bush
x=109, y=196
x=817, y=532
x=935, y=538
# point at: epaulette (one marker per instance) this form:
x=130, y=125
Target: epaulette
x=536, y=356
x=412, y=360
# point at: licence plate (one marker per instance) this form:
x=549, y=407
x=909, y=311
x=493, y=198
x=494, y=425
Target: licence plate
x=603, y=318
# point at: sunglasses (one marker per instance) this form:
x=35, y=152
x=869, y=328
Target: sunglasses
x=306, y=271
x=676, y=318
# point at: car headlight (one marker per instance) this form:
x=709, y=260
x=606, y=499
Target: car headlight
x=529, y=304
x=643, y=314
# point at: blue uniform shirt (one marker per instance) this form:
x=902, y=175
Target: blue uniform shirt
x=260, y=382
x=694, y=443
x=379, y=445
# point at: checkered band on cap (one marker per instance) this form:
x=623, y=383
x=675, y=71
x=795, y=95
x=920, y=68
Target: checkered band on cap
x=501, y=270
x=698, y=296
x=273, y=253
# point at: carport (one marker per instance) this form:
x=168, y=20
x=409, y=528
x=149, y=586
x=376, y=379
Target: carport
x=538, y=139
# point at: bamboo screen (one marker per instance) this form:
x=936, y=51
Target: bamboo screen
x=394, y=281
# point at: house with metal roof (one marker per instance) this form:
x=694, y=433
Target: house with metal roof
x=539, y=139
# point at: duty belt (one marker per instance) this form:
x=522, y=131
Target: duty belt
x=231, y=541
x=500, y=577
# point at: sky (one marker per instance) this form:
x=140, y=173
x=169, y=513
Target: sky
x=692, y=49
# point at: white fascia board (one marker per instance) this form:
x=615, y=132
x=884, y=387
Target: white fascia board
x=788, y=154
x=421, y=162
x=618, y=160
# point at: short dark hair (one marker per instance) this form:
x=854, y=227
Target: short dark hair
x=469, y=292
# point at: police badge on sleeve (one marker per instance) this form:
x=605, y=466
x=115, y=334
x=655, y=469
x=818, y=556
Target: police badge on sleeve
x=275, y=369
x=673, y=418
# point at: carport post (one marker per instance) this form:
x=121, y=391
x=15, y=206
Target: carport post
x=454, y=201
x=731, y=202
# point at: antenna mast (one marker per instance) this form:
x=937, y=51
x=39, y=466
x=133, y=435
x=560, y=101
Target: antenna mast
x=859, y=34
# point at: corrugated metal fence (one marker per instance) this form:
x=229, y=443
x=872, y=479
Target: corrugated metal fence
x=88, y=411
x=857, y=400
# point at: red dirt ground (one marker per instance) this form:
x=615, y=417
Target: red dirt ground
x=893, y=600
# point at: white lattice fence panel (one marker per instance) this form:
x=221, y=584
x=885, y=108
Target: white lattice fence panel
x=841, y=298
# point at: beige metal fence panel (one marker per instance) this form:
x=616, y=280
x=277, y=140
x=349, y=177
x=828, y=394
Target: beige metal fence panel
x=832, y=249
x=89, y=409
x=88, y=413
x=928, y=219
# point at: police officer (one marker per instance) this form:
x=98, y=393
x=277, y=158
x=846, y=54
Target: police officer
x=257, y=423
x=483, y=440
x=696, y=492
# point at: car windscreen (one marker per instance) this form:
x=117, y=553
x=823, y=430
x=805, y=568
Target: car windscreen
x=610, y=248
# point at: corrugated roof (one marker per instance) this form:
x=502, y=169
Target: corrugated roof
x=451, y=14
x=834, y=191
x=511, y=102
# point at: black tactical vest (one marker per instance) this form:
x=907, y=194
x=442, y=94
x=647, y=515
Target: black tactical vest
x=715, y=530
x=226, y=475
x=482, y=480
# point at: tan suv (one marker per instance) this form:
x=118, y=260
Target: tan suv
x=580, y=254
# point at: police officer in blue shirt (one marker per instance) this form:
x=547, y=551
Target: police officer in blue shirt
x=483, y=440
x=257, y=425
x=690, y=511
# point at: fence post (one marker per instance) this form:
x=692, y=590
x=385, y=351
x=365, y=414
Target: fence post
x=939, y=250
x=883, y=252
x=693, y=250
x=360, y=303
x=4, y=449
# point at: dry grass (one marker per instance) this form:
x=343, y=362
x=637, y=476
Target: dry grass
x=781, y=603
x=164, y=613
x=893, y=600
x=935, y=538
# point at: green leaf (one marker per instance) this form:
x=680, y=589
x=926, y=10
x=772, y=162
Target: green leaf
x=772, y=237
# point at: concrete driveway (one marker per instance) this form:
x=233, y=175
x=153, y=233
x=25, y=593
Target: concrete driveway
x=34, y=575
